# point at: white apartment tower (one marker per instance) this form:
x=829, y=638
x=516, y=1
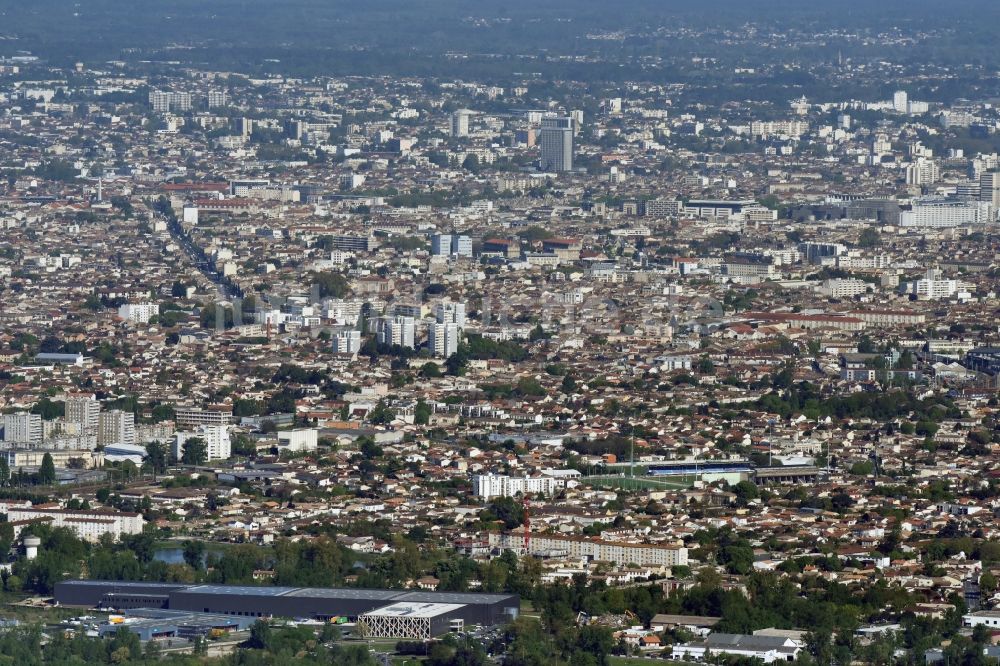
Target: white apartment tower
x=217, y=98
x=449, y=312
x=347, y=342
x=217, y=441
x=396, y=331
x=116, y=427
x=923, y=172
x=899, y=101
x=138, y=313
x=22, y=428
x=442, y=339
x=159, y=100
x=169, y=101
x=85, y=411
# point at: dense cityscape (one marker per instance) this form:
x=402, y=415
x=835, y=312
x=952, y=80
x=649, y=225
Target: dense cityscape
x=541, y=336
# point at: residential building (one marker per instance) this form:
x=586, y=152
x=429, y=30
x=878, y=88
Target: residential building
x=89, y=525
x=443, y=339
x=22, y=428
x=347, y=341
x=598, y=550
x=396, y=330
x=450, y=312
x=85, y=411
x=217, y=441
x=192, y=417
x=138, y=313
x=116, y=427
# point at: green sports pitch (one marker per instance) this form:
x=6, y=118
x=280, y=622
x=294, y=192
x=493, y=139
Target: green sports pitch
x=681, y=482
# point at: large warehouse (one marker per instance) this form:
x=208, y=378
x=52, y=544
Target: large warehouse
x=300, y=602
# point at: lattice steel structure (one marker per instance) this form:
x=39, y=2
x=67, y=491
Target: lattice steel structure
x=413, y=621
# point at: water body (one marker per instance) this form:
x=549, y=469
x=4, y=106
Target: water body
x=175, y=554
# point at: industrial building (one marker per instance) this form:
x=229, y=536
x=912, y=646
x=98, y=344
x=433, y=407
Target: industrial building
x=416, y=621
x=153, y=623
x=380, y=611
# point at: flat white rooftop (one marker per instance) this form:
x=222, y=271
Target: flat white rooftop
x=414, y=610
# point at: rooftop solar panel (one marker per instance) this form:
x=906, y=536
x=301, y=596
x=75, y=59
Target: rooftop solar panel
x=342, y=593
x=244, y=590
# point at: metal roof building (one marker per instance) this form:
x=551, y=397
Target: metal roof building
x=292, y=602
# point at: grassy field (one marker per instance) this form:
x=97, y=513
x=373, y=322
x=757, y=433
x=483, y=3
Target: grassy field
x=639, y=482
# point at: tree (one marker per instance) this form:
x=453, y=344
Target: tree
x=153, y=650
x=4, y=473
x=471, y=163
x=330, y=284
x=260, y=635
x=6, y=538
x=47, y=409
x=156, y=457
x=745, y=492
x=125, y=644
x=47, y=472
x=381, y=415
x=863, y=468
x=988, y=582
x=507, y=510
x=422, y=413
x=194, y=553
x=869, y=237
x=430, y=370
x=195, y=451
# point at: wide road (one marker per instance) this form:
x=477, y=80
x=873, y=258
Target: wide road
x=223, y=291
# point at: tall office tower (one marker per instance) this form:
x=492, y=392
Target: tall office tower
x=116, y=427
x=85, y=411
x=22, y=428
x=401, y=331
x=989, y=188
x=899, y=100
x=442, y=339
x=461, y=246
x=460, y=123
x=449, y=312
x=557, y=144
x=844, y=121
x=217, y=98
x=159, y=100
x=577, y=116
x=441, y=245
